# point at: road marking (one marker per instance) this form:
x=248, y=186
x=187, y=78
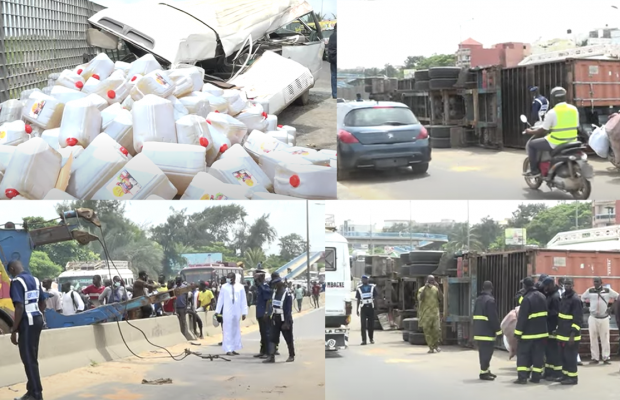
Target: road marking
x=465, y=169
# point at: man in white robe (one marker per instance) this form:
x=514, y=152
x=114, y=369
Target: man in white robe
x=233, y=302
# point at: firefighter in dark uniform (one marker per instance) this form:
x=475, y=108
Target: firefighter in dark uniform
x=281, y=321
x=532, y=331
x=568, y=334
x=29, y=300
x=486, y=329
x=553, y=362
x=366, y=294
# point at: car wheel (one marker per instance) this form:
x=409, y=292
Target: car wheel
x=417, y=339
x=420, y=168
x=423, y=85
x=421, y=75
x=437, y=143
x=440, y=132
x=436, y=84
x=444, y=72
x=303, y=99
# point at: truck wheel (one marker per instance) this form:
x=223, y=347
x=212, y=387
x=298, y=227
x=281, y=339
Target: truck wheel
x=414, y=325
x=4, y=327
x=440, y=132
x=407, y=324
x=405, y=336
x=421, y=75
x=417, y=339
x=422, y=85
x=437, y=143
x=444, y=72
x=436, y=84
x=303, y=99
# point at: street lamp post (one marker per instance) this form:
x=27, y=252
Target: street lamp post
x=308, y=241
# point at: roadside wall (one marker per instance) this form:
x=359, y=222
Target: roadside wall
x=64, y=349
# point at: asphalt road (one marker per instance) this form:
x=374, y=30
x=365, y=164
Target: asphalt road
x=472, y=173
x=316, y=122
x=393, y=369
x=243, y=378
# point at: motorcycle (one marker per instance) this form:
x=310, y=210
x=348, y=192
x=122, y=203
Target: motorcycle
x=565, y=168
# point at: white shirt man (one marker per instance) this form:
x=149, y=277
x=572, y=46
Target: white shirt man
x=54, y=301
x=71, y=303
x=598, y=323
x=234, y=303
x=551, y=120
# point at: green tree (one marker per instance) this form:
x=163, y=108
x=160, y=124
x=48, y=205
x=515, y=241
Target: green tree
x=261, y=233
x=436, y=60
x=524, y=213
x=291, y=246
x=461, y=236
x=273, y=262
x=253, y=256
x=487, y=231
x=561, y=218
x=42, y=267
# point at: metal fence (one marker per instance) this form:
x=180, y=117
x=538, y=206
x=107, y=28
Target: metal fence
x=40, y=37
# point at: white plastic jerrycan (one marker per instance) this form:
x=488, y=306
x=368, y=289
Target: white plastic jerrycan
x=43, y=111
x=67, y=152
x=216, y=103
x=238, y=152
x=207, y=187
x=121, y=130
x=259, y=143
x=212, y=89
x=95, y=167
x=128, y=103
x=70, y=80
x=193, y=129
x=137, y=180
x=236, y=101
x=51, y=137
x=180, y=162
x=32, y=171
x=100, y=67
x=271, y=196
x=196, y=105
x=98, y=101
x=64, y=94
x=143, y=66
x=57, y=194
x=283, y=136
x=81, y=122
x=221, y=143
x=109, y=113
x=153, y=121
x=234, y=129
x=14, y=133
x=333, y=156
x=11, y=110
x=269, y=162
x=254, y=117
x=124, y=67
x=184, y=83
x=272, y=122
x=6, y=153
x=306, y=181
x=112, y=90
x=179, y=109
x=157, y=83
x=237, y=171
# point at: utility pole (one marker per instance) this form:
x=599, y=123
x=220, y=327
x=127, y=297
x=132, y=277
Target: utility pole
x=468, y=228
x=308, y=241
x=410, y=227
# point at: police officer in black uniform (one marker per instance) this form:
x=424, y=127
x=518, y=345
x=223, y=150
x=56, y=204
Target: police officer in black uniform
x=532, y=331
x=568, y=334
x=553, y=363
x=29, y=300
x=281, y=321
x=486, y=329
x=366, y=294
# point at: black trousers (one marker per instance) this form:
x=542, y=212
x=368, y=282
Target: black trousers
x=263, y=326
x=276, y=330
x=182, y=316
x=553, y=360
x=28, y=343
x=569, y=354
x=531, y=358
x=367, y=314
x=196, y=321
x=485, y=353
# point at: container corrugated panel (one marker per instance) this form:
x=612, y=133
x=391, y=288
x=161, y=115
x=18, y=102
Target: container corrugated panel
x=596, y=83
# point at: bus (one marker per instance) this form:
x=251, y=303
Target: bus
x=80, y=273
x=209, y=272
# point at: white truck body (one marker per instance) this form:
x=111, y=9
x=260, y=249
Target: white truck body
x=337, y=291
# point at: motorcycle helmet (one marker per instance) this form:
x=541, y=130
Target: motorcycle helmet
x=558, y=92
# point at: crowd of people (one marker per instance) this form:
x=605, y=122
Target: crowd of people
x=549, y=322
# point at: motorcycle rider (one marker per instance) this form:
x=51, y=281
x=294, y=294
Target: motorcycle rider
x=540, y=105
x=560, y=127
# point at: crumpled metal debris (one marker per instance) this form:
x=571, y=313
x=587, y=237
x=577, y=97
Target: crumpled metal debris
x=160, y=381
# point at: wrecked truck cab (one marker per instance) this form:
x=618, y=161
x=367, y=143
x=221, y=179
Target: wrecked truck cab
x=224, y=38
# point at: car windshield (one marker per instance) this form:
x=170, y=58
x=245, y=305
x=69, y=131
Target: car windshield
x=77, y=282
x=380, y=116
x=327, y=34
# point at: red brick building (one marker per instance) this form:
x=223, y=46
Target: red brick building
x=473, y=54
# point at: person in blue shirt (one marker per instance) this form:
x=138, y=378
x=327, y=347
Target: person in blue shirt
x=29, y=301
x=366, y=294
x=281, y=321
x=181, y=308
x=540, y=105
x=263, y=296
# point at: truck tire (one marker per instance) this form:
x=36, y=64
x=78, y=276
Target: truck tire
x=303, y=99
x=407, y=323
x=423, y=85
x=421, y=75
x=444, y=72
x=422, y=269
x=440, y=143
x=417, y=339
x=405, y=336
x=414, y=325
x=442, y=83
x=440, y=132
x=5, y=328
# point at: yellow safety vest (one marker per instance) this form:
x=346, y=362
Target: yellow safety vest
x=565, y=130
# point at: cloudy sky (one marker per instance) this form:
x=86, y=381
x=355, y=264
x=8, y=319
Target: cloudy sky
x=328, y=6
x=362, y=212
x=286, y=216
x=375, y=32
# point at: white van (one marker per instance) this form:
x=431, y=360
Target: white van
x=337, y=290
x=81, y=273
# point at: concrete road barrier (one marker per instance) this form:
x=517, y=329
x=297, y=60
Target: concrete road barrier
x=64, y=349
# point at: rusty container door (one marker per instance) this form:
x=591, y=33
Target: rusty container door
x=596, y=83
x=582, y=266
x=460, y=296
